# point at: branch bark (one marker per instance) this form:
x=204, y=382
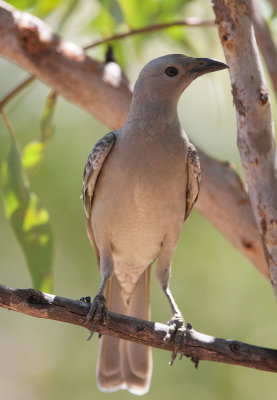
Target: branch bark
x=195, y=345
x=256, y=140
x=102, y=90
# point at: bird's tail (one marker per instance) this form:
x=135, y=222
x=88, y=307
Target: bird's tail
x=123, y=364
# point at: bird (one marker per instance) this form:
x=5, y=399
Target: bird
x=139, y=187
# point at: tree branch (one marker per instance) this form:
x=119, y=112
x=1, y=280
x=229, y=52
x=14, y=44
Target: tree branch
x=102, y=90
x=265, y=42
x=225, y=203
x=256, y=139
x=197, y=346
x=96, y=87
x=274, y=5
x=193, y=22
x=15, y=91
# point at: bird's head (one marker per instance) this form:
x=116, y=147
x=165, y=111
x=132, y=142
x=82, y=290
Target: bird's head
x=166, y=77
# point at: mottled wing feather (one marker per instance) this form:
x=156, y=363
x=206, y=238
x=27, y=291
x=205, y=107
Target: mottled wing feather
x=93, y=166
x=194, y=178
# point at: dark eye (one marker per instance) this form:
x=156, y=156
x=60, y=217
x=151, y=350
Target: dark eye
x=171, y=71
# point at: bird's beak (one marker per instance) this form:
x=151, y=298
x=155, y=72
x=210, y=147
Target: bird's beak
x=202, y=66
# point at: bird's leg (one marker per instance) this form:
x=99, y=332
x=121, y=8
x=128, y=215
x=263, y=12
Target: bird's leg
x=98, y=310
x=176, y=325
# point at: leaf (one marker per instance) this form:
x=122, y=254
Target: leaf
x=31, y=156
x=46, y=125
x=104, y=23
x=68, y=10
x=29, y=220
x=44, y=8
x=33, y=151
x=40, y=8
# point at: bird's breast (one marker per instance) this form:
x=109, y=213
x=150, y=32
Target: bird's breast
x=140, y=196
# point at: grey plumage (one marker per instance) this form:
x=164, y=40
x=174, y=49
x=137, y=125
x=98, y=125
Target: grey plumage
x=140, y=184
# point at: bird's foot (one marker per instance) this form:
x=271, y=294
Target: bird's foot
x=177, y=331
x=98, y=313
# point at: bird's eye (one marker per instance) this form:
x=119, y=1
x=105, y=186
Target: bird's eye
x=171, y=71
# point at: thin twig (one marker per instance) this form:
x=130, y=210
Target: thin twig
x=8, y=124
x=15, y=91
x=194, y=345
x=192, y=22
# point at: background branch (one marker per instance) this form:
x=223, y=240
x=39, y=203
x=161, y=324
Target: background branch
x=274, y=4
x=103, y=90
x=197, y=346
x=15, y=91
x=265, y=41
x=255, y=130
x=193, y=22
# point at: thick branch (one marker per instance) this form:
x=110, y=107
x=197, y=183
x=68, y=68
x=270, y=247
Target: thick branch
x=103, y=91
x=225, y=203
x=96, y=87
x=197, y=346
x=254, y=120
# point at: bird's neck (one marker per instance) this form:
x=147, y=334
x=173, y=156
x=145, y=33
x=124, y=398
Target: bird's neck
x=150, y=115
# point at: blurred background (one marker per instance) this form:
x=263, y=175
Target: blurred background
x=216, y=288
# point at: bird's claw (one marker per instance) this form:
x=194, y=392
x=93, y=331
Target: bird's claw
x=86, y=299
x=98, y=312
x=177, y=330
x=176, y=322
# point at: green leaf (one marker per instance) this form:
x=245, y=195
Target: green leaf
x=69, y=8
x=104, y=23
x=22, y=4
x=40, y=8
x=29, y=220
x=33, y=151
x=46, y=125
x=44, y=8
x=31, y=156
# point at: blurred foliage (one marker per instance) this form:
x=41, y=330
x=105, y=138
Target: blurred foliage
x=216, y=287
x=118, y=16
x=28, y=218
x=40, y=8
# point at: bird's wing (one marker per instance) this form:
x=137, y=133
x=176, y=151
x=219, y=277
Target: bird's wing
x=93, y=166
x=194, y=178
